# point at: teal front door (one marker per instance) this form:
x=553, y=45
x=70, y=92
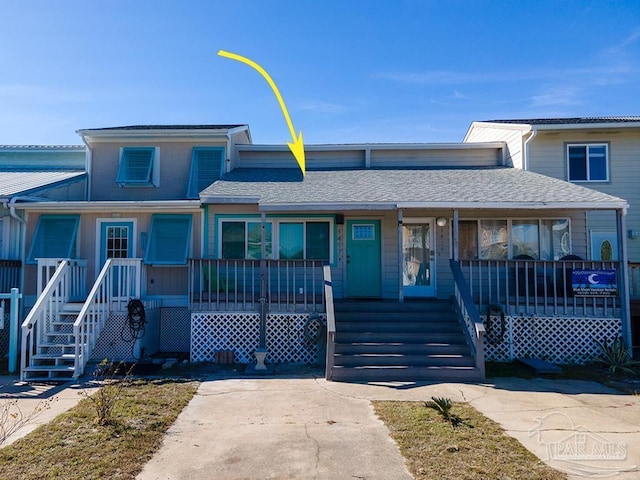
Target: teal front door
x=364, y=269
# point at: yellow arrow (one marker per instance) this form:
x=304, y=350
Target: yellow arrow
x=297, y=146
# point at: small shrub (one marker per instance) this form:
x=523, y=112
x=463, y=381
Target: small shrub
x=12, y=418
x=114, y=379
x=615, y=356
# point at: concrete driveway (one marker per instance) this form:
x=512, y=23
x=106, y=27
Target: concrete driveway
x=308, y=428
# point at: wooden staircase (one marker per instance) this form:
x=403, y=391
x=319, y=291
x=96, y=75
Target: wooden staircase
x=54, y=358
x=411, y=341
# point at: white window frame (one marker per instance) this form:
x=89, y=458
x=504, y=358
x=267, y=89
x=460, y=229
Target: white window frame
x=155, y=168
x=134, y=236
x=304, y=221
x=586, y=146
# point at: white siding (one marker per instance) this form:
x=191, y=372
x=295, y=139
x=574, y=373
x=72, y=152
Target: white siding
x=313, y=159
x=492, y=133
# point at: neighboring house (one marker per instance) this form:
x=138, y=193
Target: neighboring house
x=230, y=248
x=130, y=238
x=31, y=173
x=600, y=153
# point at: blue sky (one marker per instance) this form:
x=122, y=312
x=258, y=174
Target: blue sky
x=349, y=71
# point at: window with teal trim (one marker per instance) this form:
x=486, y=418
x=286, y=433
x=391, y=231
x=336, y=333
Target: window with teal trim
x=168, y=240
x=55, y=237
x=243, y=239
x=137, y=167
x=307, y=240
x=206, y=167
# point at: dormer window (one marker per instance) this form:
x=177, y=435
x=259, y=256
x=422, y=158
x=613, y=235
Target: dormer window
x=206, y=167
x=139, y=167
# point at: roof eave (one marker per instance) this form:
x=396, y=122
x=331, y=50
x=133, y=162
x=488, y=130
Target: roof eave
x=111, y=206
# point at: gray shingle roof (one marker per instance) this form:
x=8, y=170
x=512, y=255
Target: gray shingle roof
x=24, y=182
x=569, y=121
x=481, y=186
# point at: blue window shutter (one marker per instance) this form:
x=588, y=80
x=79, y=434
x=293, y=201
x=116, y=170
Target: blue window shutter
x=136, y=164
x=55, y=237
x=206, y=168
x=169, y=238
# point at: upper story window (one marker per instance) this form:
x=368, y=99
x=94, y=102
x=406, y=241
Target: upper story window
x=139, y=167
x=588, y=162
x=206, y=167
x=55, y=237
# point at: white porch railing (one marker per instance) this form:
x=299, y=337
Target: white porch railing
x=469, y=313
x=331, y=323
x=77, y=281
x=235, y=285
x=536, y=287
x=56, y=293
x=118, y=282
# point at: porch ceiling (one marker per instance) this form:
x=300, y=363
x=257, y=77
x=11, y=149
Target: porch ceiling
x=282, y=189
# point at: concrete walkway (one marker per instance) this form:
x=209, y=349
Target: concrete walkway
x=307, y=428
x=302, y=427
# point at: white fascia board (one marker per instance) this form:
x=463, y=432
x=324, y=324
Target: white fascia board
x=162, y=205
x=588, y=126
x=226, y=200
x=116, y=136
x=324, y=207
x=516, y=206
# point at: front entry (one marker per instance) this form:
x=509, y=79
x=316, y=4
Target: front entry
x=364, y=270
x=116, y=241
x=418, y=259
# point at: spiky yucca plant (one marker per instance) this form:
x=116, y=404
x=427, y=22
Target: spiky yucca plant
x=615, y=356
x=441, y=405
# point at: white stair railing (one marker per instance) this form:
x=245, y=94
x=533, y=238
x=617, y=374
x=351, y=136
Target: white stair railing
x=45, y=311
x=118, y=282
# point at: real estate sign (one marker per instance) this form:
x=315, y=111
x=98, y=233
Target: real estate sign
x=594, y=283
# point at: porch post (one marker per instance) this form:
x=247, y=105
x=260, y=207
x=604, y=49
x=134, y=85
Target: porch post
x=455, y=241
x=263, y=282
x=625, y=307
x=400, y=262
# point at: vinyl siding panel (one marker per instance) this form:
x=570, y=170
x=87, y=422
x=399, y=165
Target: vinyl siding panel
x=174, y=165
x=548, y=156
x=314, y=159
x=512, y=137
x=436, y=158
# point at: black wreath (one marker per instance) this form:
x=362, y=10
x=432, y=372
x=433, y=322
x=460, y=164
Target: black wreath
x=313, y=338
x=495, y=333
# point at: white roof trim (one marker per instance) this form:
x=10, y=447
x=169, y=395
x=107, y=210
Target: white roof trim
x=374, y=146
x=160, y=205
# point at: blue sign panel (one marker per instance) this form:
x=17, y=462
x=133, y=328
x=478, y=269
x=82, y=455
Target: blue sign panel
x=594, y=283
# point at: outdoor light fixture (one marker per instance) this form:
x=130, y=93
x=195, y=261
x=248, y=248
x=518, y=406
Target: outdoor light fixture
x=441, y=221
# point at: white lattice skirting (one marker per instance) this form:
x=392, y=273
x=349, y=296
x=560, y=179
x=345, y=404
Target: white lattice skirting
x=287, y=340
x=555, y=339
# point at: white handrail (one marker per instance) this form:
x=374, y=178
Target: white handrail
x=47, y=305
x=331, y=322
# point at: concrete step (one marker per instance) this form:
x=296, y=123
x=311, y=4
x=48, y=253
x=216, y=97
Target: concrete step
x=400, y=337
x=412, y=374
x=400, y=360
x=399, y=326
x=425, y=348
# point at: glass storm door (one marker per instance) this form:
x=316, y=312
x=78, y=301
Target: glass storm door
x=418, y=260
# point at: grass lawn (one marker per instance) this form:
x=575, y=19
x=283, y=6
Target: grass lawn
x=74, y=446
x=477, y=448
